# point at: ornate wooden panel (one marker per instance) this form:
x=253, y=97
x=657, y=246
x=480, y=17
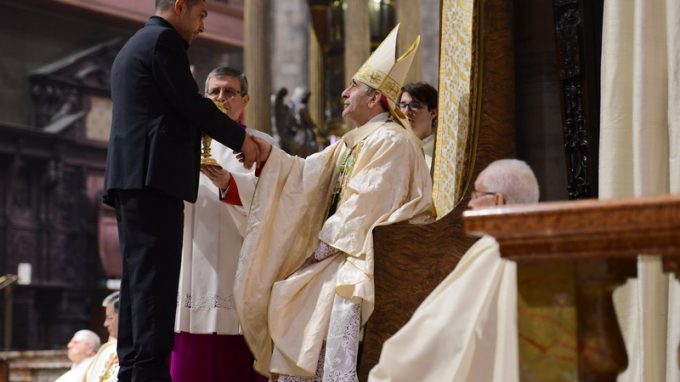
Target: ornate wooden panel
x=47, y=216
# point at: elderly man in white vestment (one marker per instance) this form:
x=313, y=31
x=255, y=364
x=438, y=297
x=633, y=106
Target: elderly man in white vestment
x=81, y=350
x=466, y=329
x=305, y=281
x=208, y=344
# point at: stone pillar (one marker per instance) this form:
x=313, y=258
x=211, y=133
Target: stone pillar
x=429, y=43
x=289, y=44
x=316, y=80
x=408, y=16
x=357, y=36
x=257, y=63
x=357, y=41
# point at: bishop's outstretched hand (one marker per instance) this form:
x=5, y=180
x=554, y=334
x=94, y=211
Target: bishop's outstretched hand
x=249, y=153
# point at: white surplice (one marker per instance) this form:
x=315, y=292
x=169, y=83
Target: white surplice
x=211, y=246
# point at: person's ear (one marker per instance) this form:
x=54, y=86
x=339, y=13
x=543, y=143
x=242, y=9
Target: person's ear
x=499, y=199
x=433, y=113
x=178, y=6
x=245, y=99
x=375, y=98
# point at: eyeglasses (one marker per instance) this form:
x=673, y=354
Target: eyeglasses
x=229, y=93
x=413, y=106
x=478, y=194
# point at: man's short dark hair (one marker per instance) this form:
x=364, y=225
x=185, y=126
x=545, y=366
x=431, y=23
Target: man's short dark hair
x=422, y=92
x=162, y=5
x=225, y=71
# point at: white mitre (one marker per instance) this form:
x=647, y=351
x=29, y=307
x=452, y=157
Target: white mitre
x=382, y=72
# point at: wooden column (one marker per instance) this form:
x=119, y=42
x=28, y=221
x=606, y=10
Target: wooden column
x=408, y=16
x=257, y=63
x=603, y=238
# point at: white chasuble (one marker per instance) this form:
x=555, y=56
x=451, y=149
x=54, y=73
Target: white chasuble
x=284, y=313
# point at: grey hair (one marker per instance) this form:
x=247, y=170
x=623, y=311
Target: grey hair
x=114, y=300
x=162, y=5
x=225, y=71
x=89, y=337
x=371, y=90
x=512, y=178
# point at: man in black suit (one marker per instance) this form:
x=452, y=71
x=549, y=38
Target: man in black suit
x=152, y=166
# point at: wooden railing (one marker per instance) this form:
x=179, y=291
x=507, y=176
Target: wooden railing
x=603, y=239
x=7, y=284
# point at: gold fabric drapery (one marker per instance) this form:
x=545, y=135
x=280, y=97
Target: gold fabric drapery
x=452, y=159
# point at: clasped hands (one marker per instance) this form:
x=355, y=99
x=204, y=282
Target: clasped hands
x=254, y=150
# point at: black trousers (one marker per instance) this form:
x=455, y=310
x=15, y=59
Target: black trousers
x=150, y=228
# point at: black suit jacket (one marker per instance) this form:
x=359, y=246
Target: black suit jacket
x=158, y=117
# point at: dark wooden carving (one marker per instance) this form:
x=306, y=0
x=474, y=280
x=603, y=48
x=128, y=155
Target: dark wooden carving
x=47, y=224
x=604, y=238
x=47, y=216
x=578, y=35
x=412, y=259
x=59, y=90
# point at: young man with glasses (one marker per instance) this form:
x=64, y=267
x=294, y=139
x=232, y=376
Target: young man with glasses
x=418, y=102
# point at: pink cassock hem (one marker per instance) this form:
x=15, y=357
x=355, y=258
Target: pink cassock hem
x=212, y=357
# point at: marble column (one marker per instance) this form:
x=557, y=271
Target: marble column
x=257, y=63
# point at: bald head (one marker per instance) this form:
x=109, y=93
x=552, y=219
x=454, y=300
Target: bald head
x=84, y=344
x=505, y=181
